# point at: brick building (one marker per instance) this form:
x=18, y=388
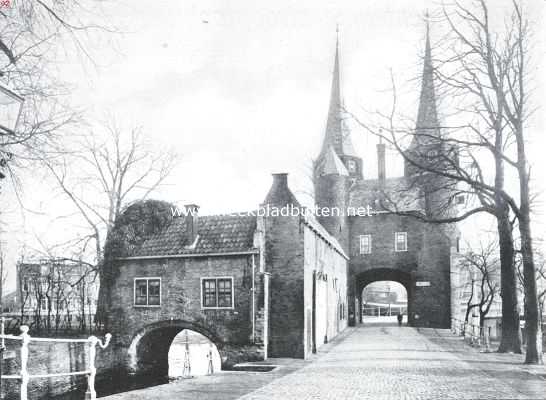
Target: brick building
x=255, y=285
x=59, y=293
x=387, y=245
x=281, y=285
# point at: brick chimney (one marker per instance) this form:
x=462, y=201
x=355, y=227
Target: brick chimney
x=192, y=222
x=280, y=194
x=381, y=173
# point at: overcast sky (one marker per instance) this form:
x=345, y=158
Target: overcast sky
x=241, y=88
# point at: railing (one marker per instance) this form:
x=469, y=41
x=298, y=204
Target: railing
x=24, y=376
x=478, y=335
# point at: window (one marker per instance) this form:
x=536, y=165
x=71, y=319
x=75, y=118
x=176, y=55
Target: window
x=217, y=292
x=365, y=244
x=147, y=291
x=401, y=241
x=351, y=166
x=433, y=153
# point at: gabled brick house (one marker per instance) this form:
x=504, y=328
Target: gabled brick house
x=257, y=286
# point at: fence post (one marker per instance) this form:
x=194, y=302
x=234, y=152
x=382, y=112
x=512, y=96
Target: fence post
x=91, y=394
x=24, y=359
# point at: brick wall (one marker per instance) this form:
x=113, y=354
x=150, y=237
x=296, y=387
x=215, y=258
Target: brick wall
x=230, y=329
x=331, y=191
x=427, y=260
x=284, y=259
x=329, y=270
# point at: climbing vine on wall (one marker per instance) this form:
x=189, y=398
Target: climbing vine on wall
x=136, y=223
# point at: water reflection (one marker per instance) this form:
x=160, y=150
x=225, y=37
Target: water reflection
x=192, y=354
x=189, y=354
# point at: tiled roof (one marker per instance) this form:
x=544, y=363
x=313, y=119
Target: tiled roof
x=217, y=234
x=394, y=194
x=332, y=164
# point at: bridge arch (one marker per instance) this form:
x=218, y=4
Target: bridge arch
x=363, y=279
x=149, y=348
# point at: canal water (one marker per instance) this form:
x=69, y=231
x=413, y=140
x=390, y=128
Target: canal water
x=187, y=347
x=114, y=384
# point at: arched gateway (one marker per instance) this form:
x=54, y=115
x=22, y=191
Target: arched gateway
x=379, y=222
x=149, y=347
x=382, y=274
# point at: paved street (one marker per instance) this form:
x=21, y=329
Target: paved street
x=379, y=362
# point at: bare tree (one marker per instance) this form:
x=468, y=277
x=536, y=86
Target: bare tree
x=483, y=71
x=34, y=36
x=540, y=268
x=482, y=266
x=24, y=293
x=492, y=71
x=103, y=174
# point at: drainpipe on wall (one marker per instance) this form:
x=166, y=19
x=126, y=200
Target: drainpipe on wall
x=327, y=312
x=314, y=313
x=253, y=302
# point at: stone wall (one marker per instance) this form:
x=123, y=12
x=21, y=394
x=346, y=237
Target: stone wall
x=332, y=191
x=284, y=259
x=327, y=270
x=432, y=302
x=143, y=334
x=426, y=262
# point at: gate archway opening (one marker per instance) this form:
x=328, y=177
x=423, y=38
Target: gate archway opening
x=194, y=354
x=383, y=303
x=159, y=348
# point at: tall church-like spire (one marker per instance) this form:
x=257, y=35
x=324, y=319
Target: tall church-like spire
x=333, y=134
x=427, y=117
x=337, y=135
x=427, y=126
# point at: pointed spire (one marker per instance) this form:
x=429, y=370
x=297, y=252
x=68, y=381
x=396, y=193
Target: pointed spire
x=427, y=116
x=334, y=132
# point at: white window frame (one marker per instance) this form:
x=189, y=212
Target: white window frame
x=369, y=244
x=203, y=278
x=396, y=241
x=146, y=278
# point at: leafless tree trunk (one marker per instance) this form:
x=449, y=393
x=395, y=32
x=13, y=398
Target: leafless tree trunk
x=485, y=71
x=115, y=169
x=482, y=266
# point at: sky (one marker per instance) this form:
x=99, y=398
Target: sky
x=240, y=90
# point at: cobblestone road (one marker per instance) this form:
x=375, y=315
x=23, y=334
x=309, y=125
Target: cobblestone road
x=373, y=363
x=404, y=363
